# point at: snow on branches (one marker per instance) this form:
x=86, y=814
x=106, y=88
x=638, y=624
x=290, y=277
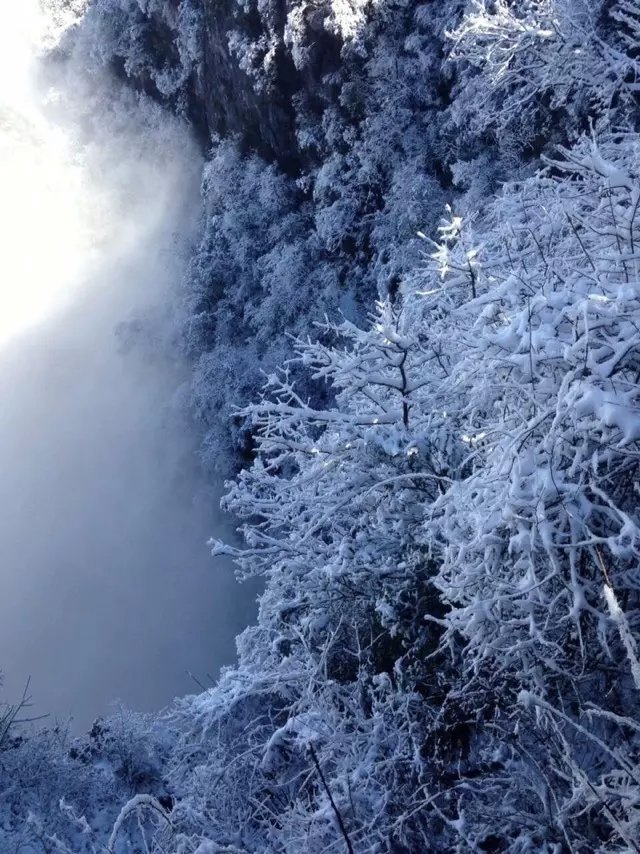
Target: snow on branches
x=546, y=64
x=484, y=439
x=541, y=541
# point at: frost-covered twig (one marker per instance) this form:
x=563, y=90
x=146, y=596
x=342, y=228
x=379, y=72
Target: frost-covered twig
x=131, y=808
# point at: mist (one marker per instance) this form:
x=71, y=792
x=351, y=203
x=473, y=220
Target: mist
x=107, y=589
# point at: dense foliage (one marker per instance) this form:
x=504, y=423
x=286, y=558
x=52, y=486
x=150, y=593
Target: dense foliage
x=445, y=511
x=336, y=131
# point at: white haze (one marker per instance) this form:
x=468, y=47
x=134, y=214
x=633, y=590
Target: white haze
x=107, y=589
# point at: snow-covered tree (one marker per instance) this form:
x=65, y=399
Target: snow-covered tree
x=441, y=501
x=483, y=437
x=539, y=543
x=60, y=793
x=545, y=67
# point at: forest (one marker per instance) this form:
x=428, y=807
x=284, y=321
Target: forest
x=412, y=319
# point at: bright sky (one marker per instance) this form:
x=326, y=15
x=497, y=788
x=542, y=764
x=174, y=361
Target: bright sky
x=41, y=233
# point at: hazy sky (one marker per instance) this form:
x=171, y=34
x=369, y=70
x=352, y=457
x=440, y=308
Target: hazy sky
x=107, y=589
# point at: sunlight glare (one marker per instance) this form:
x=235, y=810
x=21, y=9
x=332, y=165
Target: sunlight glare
x=41, y=198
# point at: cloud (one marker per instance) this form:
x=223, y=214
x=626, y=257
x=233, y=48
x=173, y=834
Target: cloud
x=108, y=589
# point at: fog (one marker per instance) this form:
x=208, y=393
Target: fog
x=107, y=589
